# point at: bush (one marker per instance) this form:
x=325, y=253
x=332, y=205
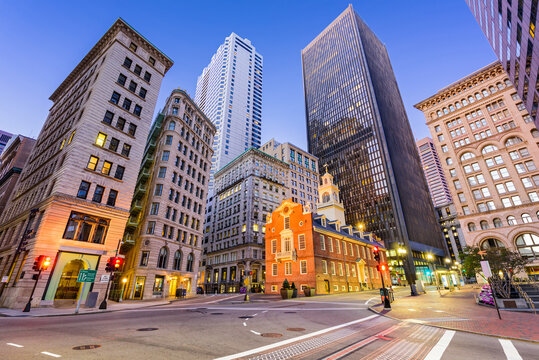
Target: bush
x=286, y=285
x=293, y=286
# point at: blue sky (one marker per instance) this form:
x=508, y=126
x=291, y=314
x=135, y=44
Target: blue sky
x=431, y=43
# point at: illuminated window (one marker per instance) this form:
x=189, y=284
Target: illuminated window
x=92, y=163
x=101, y=139
x=106, y=167
x=303, y=267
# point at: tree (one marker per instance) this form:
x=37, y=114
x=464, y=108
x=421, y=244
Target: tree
x=500, y=259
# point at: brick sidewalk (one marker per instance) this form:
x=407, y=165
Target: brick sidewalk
x=458, y=311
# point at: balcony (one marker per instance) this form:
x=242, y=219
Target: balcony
x=140, y=191
x=131, y=223
x=286, y=255
x=136, y=206
x=143, y=175
x=147, y=161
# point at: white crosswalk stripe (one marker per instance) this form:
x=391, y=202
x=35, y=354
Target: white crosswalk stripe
x=509, y=349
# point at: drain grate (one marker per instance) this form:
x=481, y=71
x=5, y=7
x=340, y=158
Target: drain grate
x=295, y=329
x=271, y=335
x=87, y=347
x=245, y=317
x=147, y=329
x=289, y=312
x=216, y=313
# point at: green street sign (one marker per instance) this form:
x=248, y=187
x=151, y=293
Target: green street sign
x=87, y=276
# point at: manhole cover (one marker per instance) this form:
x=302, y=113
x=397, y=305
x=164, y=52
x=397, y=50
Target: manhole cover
x=147, y=329
x=216, y=314
x=290, y=312
x=274, y=335
x=245, y=317
x=295, y=329
x=87, y=347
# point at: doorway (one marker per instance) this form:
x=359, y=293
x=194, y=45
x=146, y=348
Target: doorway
x=172, y=286
x=139, y=288
x=68, y=287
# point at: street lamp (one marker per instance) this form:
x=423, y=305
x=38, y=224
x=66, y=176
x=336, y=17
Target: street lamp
x=124, y=281
x=402, y=252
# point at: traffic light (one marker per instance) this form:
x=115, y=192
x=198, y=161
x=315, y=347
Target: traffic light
x=114, y=264
x=110, y=266
x=118, y=262
x=376, y=252
x=41, y=262
x=382, y=267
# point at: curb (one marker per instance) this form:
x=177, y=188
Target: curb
x=455, y=329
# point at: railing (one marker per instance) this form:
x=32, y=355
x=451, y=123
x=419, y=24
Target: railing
x=525, y=296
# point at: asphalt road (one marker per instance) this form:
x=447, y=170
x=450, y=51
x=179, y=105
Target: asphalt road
x=328, y=327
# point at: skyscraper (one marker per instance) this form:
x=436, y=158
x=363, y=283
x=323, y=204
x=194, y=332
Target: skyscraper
x=510, y=27
x=434, y=173
x=229, y=92
x=72, y=199
x=4, y=138
x=357, y=125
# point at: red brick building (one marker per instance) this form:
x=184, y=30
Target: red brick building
x=319, y=250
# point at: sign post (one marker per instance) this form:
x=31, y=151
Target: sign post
x=85, y=276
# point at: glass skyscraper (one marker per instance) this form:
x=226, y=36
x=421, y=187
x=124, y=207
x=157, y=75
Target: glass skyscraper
x=357, y=126
x=229, y=92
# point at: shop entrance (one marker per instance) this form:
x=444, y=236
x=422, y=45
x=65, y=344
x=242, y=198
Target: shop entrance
x=68, y=287
x=139, y=288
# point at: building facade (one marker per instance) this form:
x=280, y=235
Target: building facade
x=229, y=92
x=452, y=231
x=489, y=150
x=73, y=196
x=319, y=250
x=4, y=139
x=510, y=27
x=12, y=161
x=436, y=181
x=303, y=181
x=357, y=125
x=165, y=230
x=247, y=190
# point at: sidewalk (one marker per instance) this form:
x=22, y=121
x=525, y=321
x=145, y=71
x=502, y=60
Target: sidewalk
x=458, y=311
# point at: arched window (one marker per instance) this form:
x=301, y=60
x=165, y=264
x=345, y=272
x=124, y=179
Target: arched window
x=478, y=96
x=471, y=99
x=163, y=258
x=458, y=105
x=484, y=92
x=189, y=263
x=471, y=227
x=449, y=161
x=172, y=125
x=497, y=223
x=451, y=108
x=537, y=215
x=528, y=245
x=439, y=113
x=491, y=243
x=511, y=220
x=500, y=86
x=535, y=133
x=464, y=102
x=484, y=225
x=526, y=218
x=489, y=148
x=325, y=197
x=466, y=156
x=513, y=140
x=445, y=111
x=492, y=89
x=507, y=82
x=177, y=260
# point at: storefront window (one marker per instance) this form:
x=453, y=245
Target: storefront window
x=158, y=285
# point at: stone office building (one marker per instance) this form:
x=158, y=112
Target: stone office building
x=73, y=196
x=489, y=149
x=163, y=240
x=246, y=190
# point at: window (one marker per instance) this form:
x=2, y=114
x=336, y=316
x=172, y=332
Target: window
x=151, y=60
x=301, y=242
x=511, y=220
x=137, y=70
x=530, y=165
x=484, y=225
x=128, y=62
x=108, y=117
x=273, y=246
x=533, y=196
x=101, y=139
x=491, y=243
x=322, y=242
x=512, y=141
x=151, y=227
x=142, y=93
x=127, y=104
x=133, y=46
x=177, y=260
x=303, y=267
x=466, y=156
x=163, y=258
x=333, y=272
x=119, y=174
x=288, y=268
x=154, y=209
x=132, y=129
x=92, y=162
x=126, y=149
x=87, y=228
x=105, y=170
x=489, y=148
x=132, y=86
x=287, y=222
x=83, y=189
x=526, y=218
x=147, y=76
x=341, y=272
x=165, y=156
x=144, y=258
x=98, y=193
x=115, y=98
x=190, y=260
x=274, y=269
x=121, y=79
x=138, y=110
x=113, y=145
x=528, y=245
x=471, y=227
x=324, y=267
x=497, y=223
x=113, y=194
x=466, y=210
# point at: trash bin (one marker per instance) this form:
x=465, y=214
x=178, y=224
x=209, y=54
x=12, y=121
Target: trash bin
x=91, y=299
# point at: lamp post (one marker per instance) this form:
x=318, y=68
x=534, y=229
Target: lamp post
x=124, y=281
x=407, y=271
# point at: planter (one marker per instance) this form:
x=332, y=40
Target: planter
x=309, y=292
x=286, y=293
x=294, y=293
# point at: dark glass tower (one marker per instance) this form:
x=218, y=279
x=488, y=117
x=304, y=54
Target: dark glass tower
x=357, y=125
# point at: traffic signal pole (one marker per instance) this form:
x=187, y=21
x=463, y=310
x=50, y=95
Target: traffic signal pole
x=29, y=303
x=103, y=305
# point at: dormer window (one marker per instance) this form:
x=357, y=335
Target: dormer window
x=323, y=222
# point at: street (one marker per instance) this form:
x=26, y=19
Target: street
x=222, y=326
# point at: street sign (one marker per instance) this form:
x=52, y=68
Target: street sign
x=87, y=276
x=104, y=278
x=486, y=269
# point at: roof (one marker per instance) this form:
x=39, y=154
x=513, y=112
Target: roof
x=251, y=149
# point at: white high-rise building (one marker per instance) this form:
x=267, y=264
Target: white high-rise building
x=229, y=92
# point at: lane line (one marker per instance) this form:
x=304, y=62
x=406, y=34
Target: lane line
x=292, y=340
x=509, y=349
x=368, y=301
x=438, y=350
x=412, y=310
x=16, y=345
x=255, y=332
x=51, y=354
x=244, y=324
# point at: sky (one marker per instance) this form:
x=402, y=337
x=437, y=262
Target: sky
x=431, y=44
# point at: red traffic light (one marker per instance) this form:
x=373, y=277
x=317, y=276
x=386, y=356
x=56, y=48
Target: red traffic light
x=375, y=249
x=382, y=267
x=118, y=261
x=41, y=262
x=46, y=262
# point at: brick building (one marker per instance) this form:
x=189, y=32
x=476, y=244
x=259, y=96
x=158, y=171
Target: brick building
x=320, y=250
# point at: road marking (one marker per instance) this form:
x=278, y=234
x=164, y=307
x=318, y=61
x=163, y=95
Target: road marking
x=255, y=314
x=509, y=349
x=244, y=324
x=16, y=345
x=438, y=350
x=51, y=354
x=255, y=332
x=292, y=340
x=265, y=311
x=439, y=311
x=368, y=301
x=412, y=310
